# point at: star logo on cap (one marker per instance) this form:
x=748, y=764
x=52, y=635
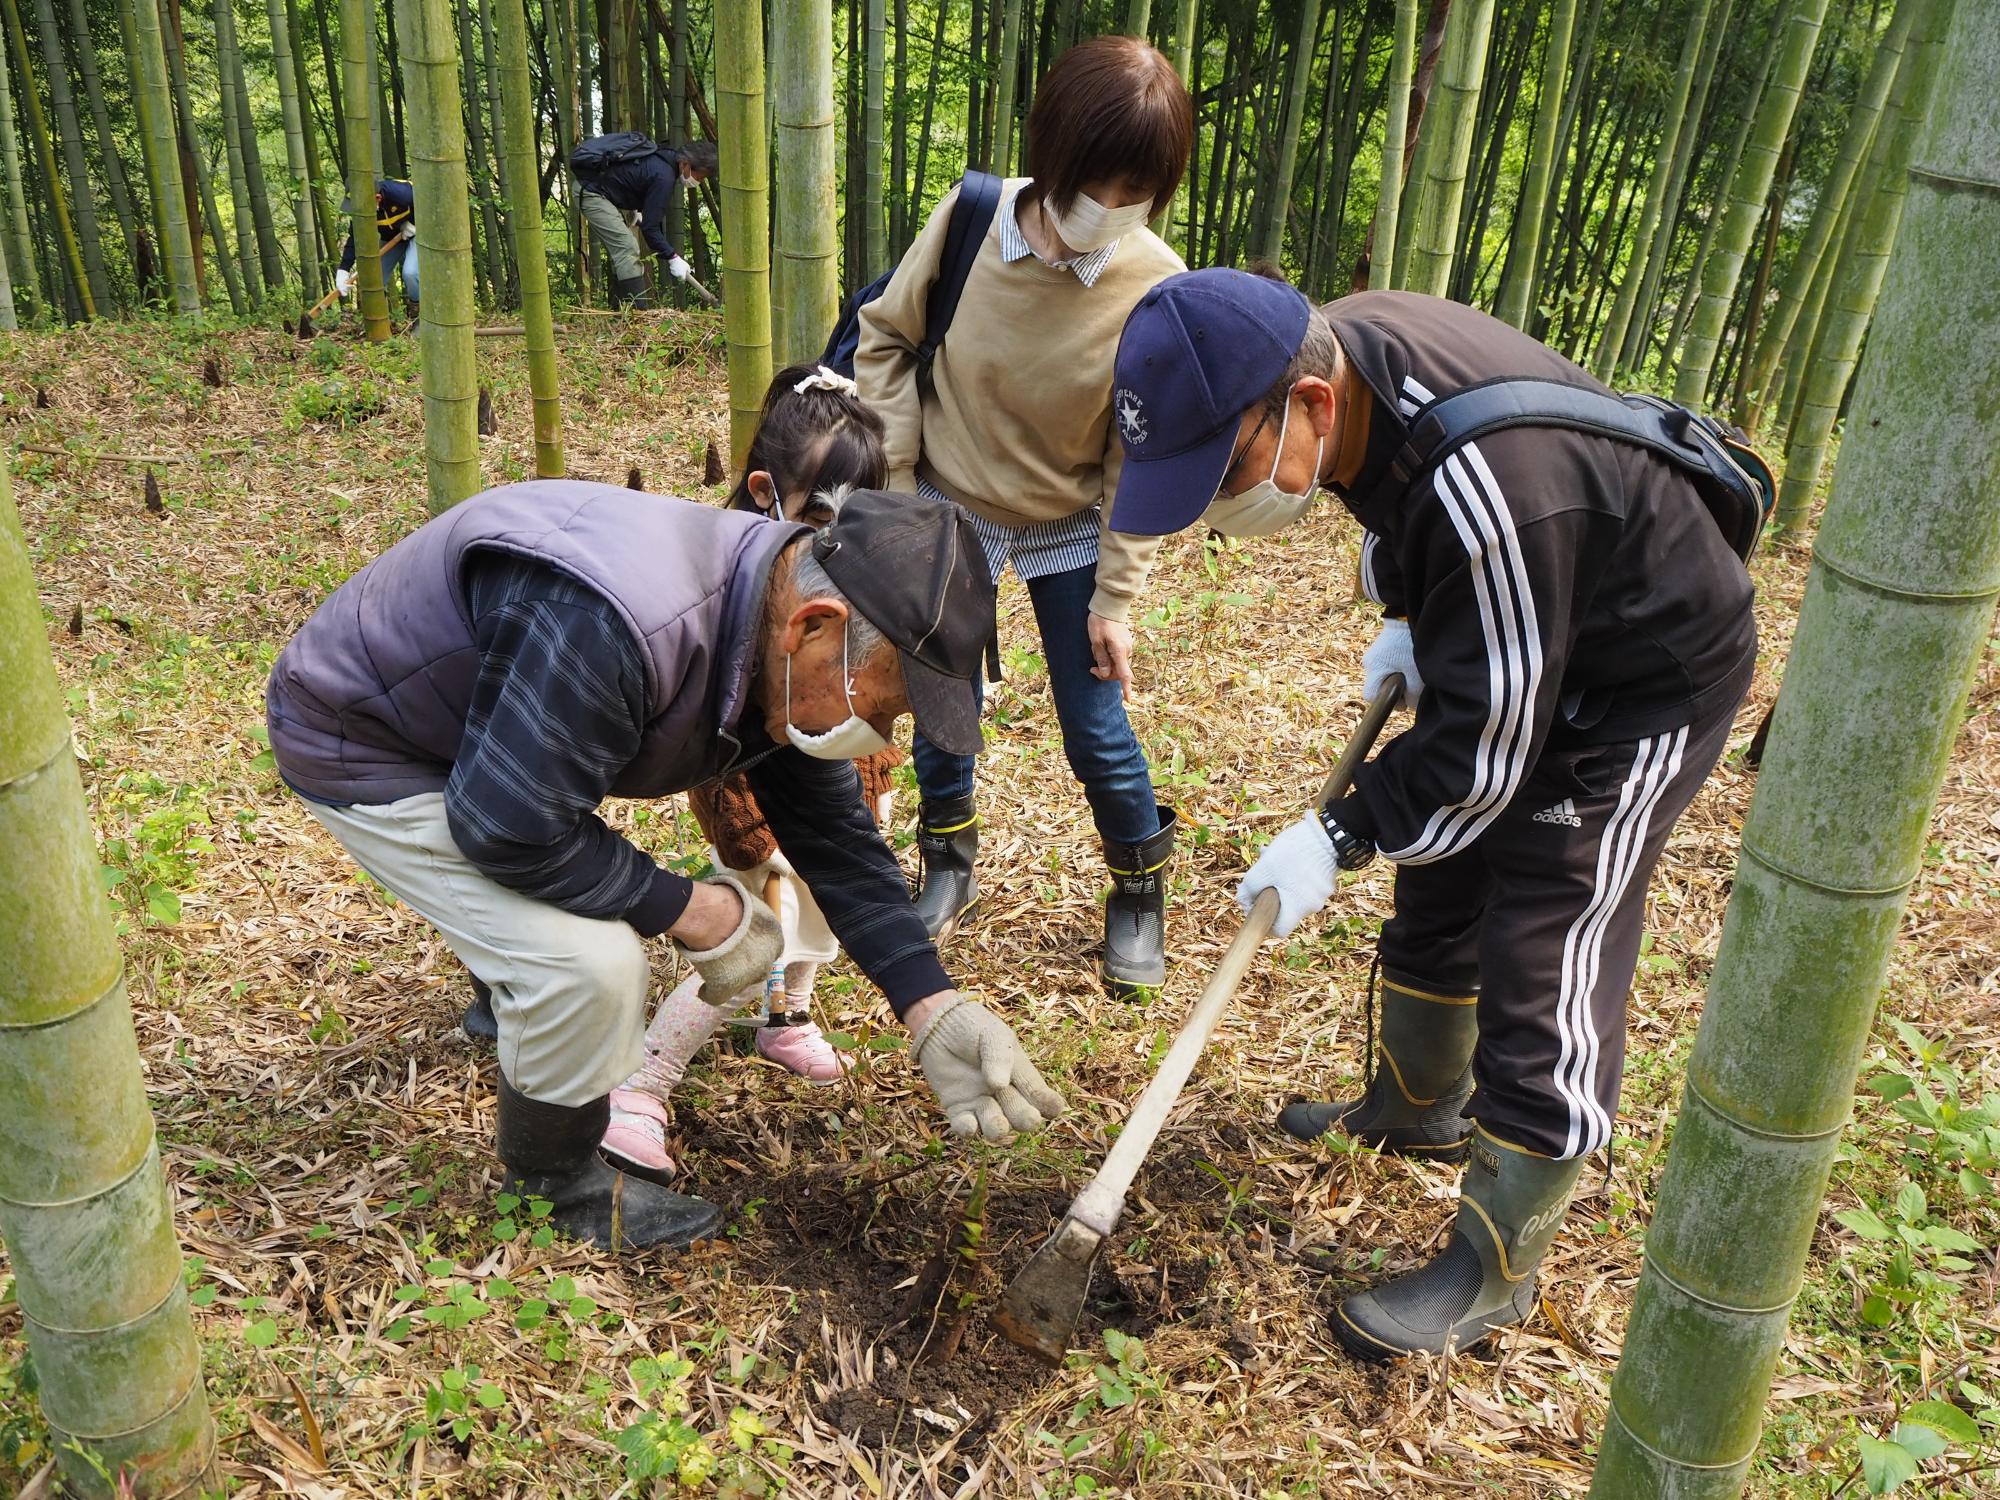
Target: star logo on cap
x=1131, y=417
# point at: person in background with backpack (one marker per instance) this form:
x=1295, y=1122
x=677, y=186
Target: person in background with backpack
x=630, y=173
x=396, y=222
x=1012, y=418
x=1575, y=632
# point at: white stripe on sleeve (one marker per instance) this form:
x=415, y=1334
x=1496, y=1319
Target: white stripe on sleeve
x=1471, y=497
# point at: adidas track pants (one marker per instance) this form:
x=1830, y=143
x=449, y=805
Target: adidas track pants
x=1543, y=918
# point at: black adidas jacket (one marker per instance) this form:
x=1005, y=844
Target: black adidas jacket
x=1563, y=590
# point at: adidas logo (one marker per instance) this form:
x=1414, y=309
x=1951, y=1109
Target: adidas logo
x=1564, y=812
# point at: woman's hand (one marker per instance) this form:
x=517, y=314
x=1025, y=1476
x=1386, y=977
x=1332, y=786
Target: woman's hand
x=1111, y=652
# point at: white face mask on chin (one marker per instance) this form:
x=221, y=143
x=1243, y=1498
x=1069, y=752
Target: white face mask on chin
x=850, y=739
x=1089, y=225
x=1264, y=508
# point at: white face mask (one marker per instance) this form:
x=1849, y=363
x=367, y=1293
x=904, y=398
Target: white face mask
x=1089, y=225
x=1264, y=508
x=850, y=739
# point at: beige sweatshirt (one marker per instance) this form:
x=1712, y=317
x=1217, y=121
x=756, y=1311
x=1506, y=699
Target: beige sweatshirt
x=1017, y=427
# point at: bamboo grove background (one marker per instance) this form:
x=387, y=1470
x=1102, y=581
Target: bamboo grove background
x=1698, y=195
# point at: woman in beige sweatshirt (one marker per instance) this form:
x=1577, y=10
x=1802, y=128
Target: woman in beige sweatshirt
x=1016, y=424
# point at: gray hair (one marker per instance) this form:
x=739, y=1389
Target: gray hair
x=811, y=582
x=1319, y=354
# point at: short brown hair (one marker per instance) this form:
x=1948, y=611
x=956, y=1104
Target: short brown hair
x=1110, y=107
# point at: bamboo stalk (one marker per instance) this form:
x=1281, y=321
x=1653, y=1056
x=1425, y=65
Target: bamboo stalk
x=1896, y=616
x=444, y=241
x=1859, y=277
x=83, y=1204
x=295, y=148
x=524, y=213
x=805, y=283
x=70, y=136
x=229, y=62
x=1395, y=132
x=20, y=239
x=746, y=198
x=1454, y=113
x=1748, y=189
x=1009, y=76
x=1828, y=207
x=874, y=235
x=38, y=132
x=204, y=187
x=357, y=40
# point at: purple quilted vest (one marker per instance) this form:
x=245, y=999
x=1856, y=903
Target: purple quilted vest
x=367, y=703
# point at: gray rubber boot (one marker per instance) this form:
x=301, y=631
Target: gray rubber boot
x=1135, y=912
x=948, y=844
x=1510, y=1205
x=550, y=1151
x=1415, y=1098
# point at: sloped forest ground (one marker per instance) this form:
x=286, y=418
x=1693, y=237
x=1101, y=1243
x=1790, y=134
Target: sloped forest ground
x=374, y=1325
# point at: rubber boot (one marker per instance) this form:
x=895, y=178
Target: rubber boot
x=479, y=1023
x=630, y=291
x=550, y=1152
x=948, y=844
x=415, y=310
x=1509, y=1208
x=1415, y=1098
x=1135, y=912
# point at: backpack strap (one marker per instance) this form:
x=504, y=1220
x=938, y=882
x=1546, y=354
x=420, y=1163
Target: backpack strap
x=1701, y=448
x=971, y=216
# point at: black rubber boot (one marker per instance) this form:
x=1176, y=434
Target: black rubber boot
x=1418, y=1085
x=1509, y=1208
x=630, y=292
x=948, y=844
x=550, y=1151
x=1135, y=912
x=479, y=1023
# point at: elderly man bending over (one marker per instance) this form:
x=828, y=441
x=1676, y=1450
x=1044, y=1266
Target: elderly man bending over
x=457, y=710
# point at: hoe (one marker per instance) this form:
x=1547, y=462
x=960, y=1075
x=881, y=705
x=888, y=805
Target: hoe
x=1041, y=1307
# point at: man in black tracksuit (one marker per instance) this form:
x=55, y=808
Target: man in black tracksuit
x=1576, y=634
x=627, y=173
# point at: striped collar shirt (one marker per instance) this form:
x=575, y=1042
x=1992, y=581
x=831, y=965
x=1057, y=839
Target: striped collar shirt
x=1014, y=246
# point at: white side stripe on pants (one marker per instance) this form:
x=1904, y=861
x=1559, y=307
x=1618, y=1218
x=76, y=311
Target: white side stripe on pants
x=1654, y=766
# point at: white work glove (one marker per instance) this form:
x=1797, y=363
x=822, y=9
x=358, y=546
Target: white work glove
x=984, y=1082
x=343, y=283
x=409, y=230
x=744, y=957
x=1391, y=651
x=678, y=269
x=1299, y=865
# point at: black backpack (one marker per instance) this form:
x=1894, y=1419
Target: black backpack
x=971, y=216
x=602, y=152
x=1735, y=484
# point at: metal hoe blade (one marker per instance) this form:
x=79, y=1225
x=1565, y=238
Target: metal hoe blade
x=1044, y=1302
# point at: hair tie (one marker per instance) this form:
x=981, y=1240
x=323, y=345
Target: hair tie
x=823, y=379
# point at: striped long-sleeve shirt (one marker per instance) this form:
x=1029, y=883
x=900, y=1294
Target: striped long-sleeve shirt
x=557, y=713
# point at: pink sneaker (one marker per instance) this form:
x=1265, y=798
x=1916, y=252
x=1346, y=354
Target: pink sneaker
x=636, y=1139
x=801, y=1047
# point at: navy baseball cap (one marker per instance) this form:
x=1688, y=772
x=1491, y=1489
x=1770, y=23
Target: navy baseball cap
x=1199, y=350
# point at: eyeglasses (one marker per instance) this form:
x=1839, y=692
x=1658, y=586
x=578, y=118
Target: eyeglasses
x=1236, y=460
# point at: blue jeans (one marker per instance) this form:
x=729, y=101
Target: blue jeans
x=404, y=254
x=1097, y=737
